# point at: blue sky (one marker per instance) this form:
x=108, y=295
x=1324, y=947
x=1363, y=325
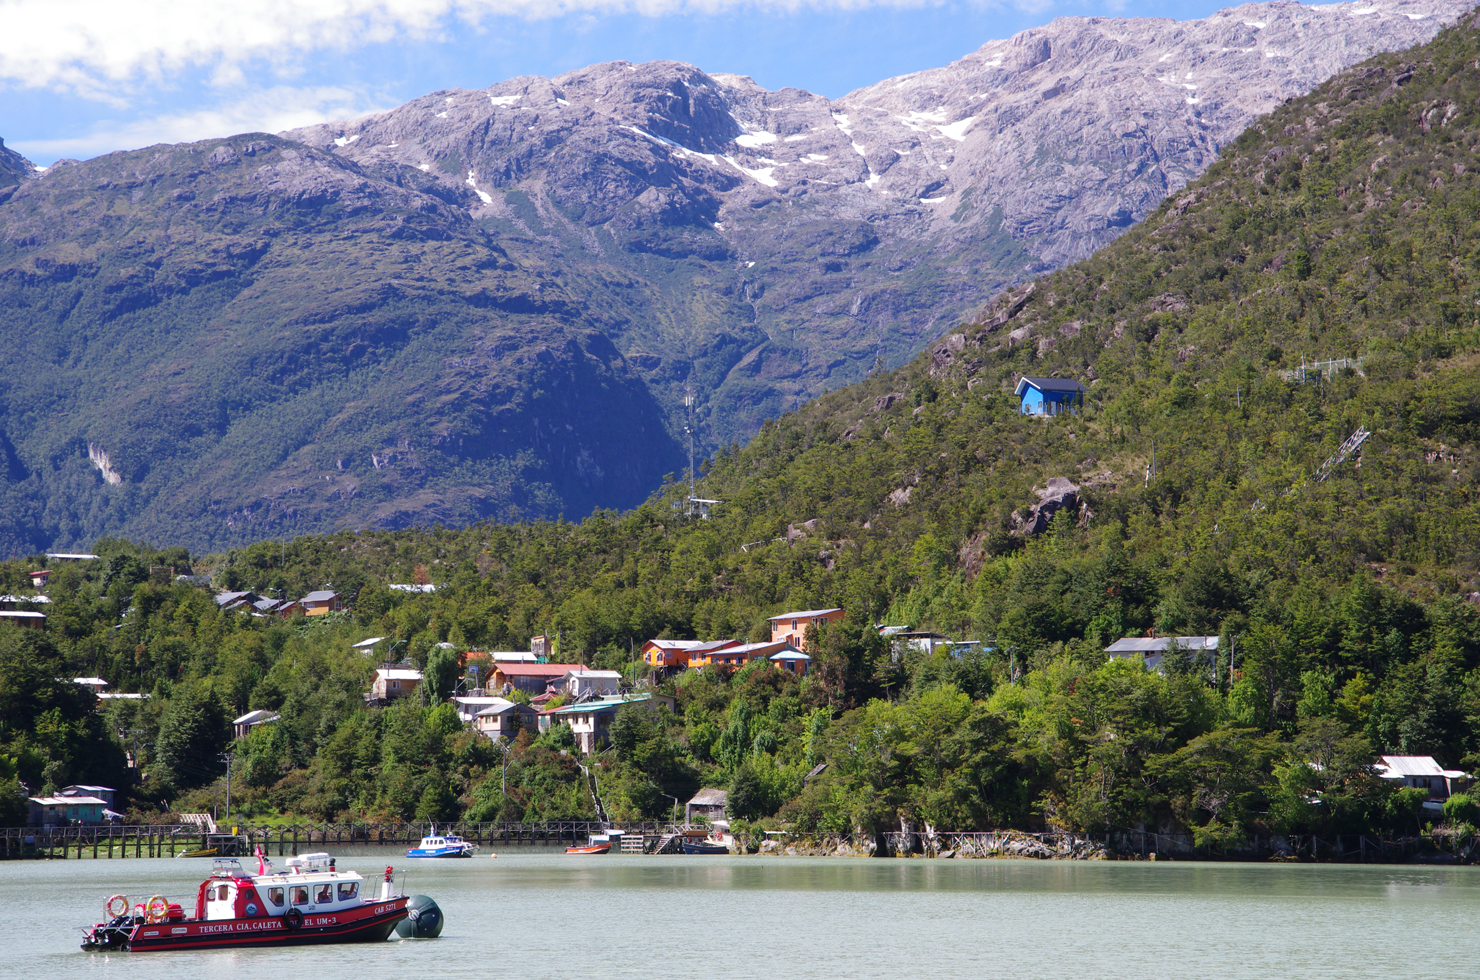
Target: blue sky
x=84, y=77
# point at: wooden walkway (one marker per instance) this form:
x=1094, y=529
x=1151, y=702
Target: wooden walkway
x=120, y=841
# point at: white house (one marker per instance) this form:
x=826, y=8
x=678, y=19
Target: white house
x=592, y=683
x=243, y=726
x=1154, y=648
x=1421, y=772
x=469, y=706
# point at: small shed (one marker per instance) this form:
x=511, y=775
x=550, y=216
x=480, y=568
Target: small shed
x=707, y=803
x=1049, y=396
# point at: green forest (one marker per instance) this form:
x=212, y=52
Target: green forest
x=1343, y=227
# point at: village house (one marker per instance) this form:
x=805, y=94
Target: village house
x=708, y=804
x=39, y=578
x=468, y=705
x=1049, y=396
x=589, y=720
x=678, y=653
x=739, y=654
x=10, y=602
x=506, y=720
x=24, y=619
x=321, y=603
x=243, y=726
x=591, y=683
x=792, y=660
x=65, y=811
x=1155, y=648
x=105, y=793
x=393, y=683
x=531, y=678
x=792, y=627
x=1422, y=772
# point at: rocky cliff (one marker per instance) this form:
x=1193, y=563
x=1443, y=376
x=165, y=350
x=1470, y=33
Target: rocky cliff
x=246, y=338
x=760, y=247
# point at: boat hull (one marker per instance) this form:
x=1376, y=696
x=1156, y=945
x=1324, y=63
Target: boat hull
x=427, y=852
x=692, y=848
x=593, y=849
x=372, y=923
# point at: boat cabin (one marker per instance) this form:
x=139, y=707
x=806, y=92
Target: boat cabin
x=309, y=883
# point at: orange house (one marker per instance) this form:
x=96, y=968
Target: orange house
x=792, y=627
x=680, y=653
x=738, y=654
x=320, y=603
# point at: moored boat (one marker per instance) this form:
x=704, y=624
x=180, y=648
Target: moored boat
x=590, y=849
x=436, y=845
x=309, y=902
x=704, y=847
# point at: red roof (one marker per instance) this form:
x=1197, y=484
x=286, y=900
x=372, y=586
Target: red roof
x=538, y=670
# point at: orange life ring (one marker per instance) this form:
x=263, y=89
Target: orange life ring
x=113, y=900
x=157, y=909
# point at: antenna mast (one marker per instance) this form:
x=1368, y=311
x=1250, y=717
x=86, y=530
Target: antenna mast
x=688, y=403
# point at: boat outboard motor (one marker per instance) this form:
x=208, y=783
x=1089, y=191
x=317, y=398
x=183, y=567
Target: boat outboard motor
x=423, y=920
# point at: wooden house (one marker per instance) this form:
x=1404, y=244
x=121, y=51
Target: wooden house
x=1422, y=772
x=321, y=603
x=590, y=683
x=589, y=720
x=393, y=683
x=1049, y=396
x=678, y=653
x=533, y=678
x=708, y=804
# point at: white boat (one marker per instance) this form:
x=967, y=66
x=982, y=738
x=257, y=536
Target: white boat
x=436, y=845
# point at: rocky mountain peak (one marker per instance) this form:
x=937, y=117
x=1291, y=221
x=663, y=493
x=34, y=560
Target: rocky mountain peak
x=783, y=242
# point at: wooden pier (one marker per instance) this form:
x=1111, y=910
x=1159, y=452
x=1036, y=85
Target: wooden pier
x=169, y=840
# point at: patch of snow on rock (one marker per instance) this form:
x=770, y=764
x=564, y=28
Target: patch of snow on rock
x=346, y=140
x=957, y=130
x=758, y=138
x=506, y=99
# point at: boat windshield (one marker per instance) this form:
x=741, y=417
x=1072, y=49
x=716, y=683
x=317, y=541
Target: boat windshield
x=227, y=868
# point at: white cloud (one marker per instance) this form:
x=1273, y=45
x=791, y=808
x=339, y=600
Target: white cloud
x=267, y=111
x=91, y=46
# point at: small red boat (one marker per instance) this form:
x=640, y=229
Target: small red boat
x=590, y=849
x=309, y=902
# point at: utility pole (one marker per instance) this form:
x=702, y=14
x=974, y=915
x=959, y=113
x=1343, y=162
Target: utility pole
x=227, y=757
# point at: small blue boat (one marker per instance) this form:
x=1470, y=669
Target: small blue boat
x=436, y=845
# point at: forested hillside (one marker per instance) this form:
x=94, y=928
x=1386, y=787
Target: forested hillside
x=1343, y=227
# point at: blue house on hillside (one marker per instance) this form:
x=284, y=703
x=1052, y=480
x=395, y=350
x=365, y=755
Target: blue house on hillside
x=1049, y=396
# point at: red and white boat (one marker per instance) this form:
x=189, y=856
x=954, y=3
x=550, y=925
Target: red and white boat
x=310, y=901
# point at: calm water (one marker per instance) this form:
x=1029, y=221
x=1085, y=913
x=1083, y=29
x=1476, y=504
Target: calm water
x=536, y=914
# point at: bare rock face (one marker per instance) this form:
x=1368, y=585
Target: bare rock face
x=1060, y=494
x=764, y=246
x=14, y=168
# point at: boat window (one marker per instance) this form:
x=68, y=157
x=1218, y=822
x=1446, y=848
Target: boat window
x=221, y=893
x=324, y=895
x=347, y=890
x=275, y=896
x=300, y=894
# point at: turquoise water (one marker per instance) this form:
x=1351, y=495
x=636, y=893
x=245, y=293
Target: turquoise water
x=535, y=914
